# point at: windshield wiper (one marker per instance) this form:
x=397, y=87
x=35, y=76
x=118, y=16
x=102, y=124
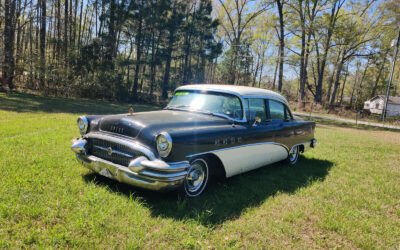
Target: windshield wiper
x=207, y=112
x=177, y=106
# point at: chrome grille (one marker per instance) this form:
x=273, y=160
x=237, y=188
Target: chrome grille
x=120, y=154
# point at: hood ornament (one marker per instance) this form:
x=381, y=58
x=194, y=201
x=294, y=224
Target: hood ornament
x=131, y=110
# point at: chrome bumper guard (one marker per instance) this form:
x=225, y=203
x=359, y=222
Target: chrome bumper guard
x=153, y=174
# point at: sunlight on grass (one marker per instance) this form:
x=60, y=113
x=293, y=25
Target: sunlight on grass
x=343, y=194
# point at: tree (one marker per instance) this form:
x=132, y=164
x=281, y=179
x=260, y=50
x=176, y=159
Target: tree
x=9, y=30
x=235, y=19
x=330, y=28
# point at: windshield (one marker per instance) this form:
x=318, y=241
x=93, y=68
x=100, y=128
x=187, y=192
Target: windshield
x=209, y=102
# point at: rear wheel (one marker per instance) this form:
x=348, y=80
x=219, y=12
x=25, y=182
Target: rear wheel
x=197, y=178
x=293, y=155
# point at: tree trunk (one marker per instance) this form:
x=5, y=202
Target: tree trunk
x=42, y=72
x=165, y=85
x=138, y=55
x=332, y=23
x=302, y=84
x=336, y=69
x=337, y=80
x=378, y=77
x=281, y=43
x=276, y=70
x=9, y=29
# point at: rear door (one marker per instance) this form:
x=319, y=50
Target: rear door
x=282, y=120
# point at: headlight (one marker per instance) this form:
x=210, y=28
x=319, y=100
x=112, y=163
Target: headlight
x=83, y=125
x=164, y=144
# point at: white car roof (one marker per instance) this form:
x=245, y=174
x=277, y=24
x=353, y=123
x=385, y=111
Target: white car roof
x=243, y=91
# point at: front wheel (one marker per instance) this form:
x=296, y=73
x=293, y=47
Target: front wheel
x=293, y=155
x=197, y=178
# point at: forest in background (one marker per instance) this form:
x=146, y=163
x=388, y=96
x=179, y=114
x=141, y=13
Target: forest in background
x=331, y=52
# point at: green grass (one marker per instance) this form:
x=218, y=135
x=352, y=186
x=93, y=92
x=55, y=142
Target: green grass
x=343, y=194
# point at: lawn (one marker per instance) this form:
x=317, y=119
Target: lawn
x=343, y=194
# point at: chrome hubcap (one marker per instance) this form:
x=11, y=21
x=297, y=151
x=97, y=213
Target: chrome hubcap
x=195, y=177
x=293, y=154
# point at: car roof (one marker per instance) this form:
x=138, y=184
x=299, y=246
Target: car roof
x=243, y=91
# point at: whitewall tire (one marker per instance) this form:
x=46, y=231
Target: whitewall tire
x=197, y=178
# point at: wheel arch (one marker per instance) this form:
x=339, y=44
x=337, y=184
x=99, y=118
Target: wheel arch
x=215, y=163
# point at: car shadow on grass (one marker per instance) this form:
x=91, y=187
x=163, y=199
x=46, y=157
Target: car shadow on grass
x=16, y=102
x=226, y=199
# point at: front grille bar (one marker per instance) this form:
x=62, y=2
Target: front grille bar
x=135, y=147
x=114, y=151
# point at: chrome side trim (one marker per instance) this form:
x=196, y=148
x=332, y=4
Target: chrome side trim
x=133, y=145
x=240, y=146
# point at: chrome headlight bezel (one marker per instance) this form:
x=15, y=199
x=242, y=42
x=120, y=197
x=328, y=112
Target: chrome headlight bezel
x=83, y=125
x=163, y=144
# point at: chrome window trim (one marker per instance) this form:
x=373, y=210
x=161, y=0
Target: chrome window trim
x=133, y=145
x=285, y=102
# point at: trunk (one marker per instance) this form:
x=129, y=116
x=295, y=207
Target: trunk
x=275, y=71
x=9, y=28
x=344, y=84
x=256, y=72
x=337, y=80
x=74, y=23
x=261, y=70
x=332, y=23
x=111, y=35
x=186, y=69
x=165, y=84
x=336, y=69
x=378, y=77
x=58, y=43
x=19, y=42
x=66, y=31
x=138, y=55
x=80, y=26
x=281, y=44
x=302, y=84
x=361, y=83
x=43, y=45
x=355, y=84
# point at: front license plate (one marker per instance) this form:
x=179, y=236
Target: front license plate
x=105, y=172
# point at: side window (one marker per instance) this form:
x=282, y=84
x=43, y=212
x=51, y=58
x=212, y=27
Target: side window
x=256, y=108
x=276, y=110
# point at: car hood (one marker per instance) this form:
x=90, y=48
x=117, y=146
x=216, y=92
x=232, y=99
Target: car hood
x=156, y=121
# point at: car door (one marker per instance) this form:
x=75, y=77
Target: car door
x=283, y=123
x=259, y=148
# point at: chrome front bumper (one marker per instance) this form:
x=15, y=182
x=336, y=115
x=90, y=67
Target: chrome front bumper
x=152, y=174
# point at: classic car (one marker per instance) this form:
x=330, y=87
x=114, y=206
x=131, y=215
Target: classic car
x=204, y=131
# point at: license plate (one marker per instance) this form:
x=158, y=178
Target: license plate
x=105, y=172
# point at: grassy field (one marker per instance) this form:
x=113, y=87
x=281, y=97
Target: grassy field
x=343, y=194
